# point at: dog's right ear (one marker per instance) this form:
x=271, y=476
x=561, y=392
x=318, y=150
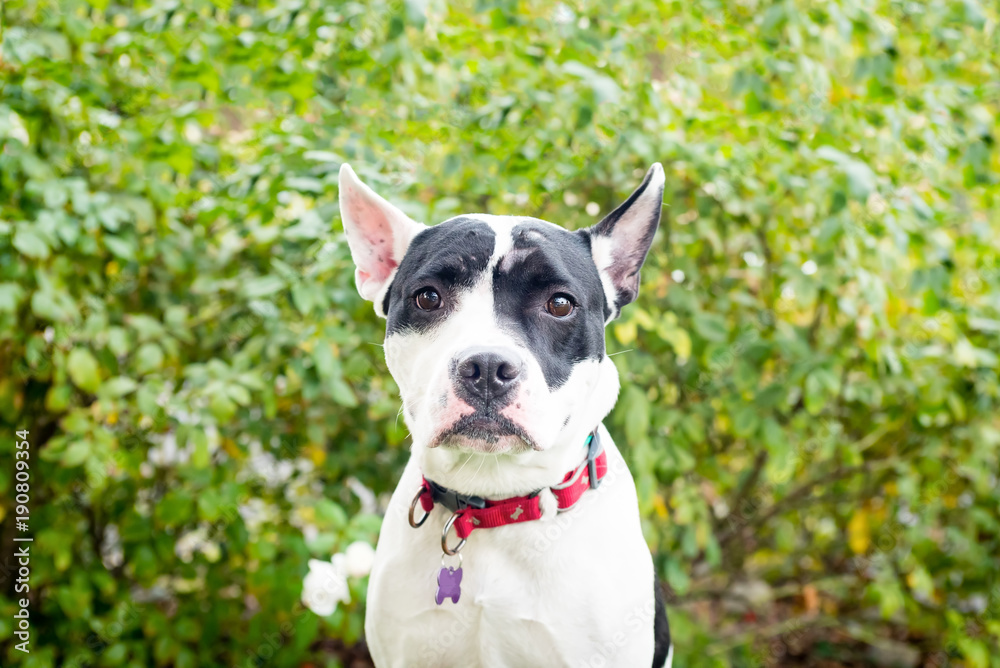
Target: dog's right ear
x=620, y=242
x=378, y=234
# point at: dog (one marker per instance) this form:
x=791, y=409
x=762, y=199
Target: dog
x=513, y=538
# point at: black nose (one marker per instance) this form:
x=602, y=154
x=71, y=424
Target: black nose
x=488, y=373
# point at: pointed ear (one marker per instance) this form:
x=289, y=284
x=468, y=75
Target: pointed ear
x=378, y=234
x=619, y=243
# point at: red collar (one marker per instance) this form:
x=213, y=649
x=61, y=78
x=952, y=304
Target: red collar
x=473, y=512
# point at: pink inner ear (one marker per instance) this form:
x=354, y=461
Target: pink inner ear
x=372, y=222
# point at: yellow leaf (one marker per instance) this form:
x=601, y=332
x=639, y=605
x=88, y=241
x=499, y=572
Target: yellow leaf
x=858, y=532
x=232, y=449
x=625, y=332
x=643, y=319
x=701, y=535
x=315, y=453
x=660, y=507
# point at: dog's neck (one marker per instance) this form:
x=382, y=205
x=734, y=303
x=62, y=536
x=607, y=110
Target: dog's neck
x=505, y=475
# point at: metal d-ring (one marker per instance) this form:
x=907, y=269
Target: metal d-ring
x=444, y=537
x=443, y=558
x=413, y=507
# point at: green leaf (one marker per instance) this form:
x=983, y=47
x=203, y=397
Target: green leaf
x=175, y=508
x=30, y=243
x=11, y=295
x=745, y=421
x=83, y=370
x=331, y=514
x=262, y=286
x=148, y=358
x=710, y=327
x=239, y=394
x=119, y=386
x=637, y=418
x=223, y=408
x=342, y=393
x=120, y=247
x=77, y=453
x=201, y=457
x=822, y=385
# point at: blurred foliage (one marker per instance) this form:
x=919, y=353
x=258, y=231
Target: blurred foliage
x=810, y=391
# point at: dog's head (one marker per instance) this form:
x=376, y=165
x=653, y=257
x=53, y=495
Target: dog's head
x=495, y=324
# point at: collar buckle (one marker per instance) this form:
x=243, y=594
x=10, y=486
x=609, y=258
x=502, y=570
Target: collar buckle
x=454, y=501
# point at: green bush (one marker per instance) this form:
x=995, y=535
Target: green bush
x=810, y=390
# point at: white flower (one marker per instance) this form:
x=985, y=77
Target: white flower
x=358, y=558
x=189, y=543
x=257, y=512
x=192, y=132
x=310, y=532
x=112, y=555
x=753, y=260
x=325, y=585
x=563, y=15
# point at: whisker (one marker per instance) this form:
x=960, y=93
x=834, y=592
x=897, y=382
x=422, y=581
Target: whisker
x=481, y=462
x=467, y=460
x=621, y=352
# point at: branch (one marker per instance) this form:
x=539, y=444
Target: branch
x=798, y=495
x=817, y=317
x=747, y=486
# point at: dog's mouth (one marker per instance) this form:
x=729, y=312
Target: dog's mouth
x=485, y=433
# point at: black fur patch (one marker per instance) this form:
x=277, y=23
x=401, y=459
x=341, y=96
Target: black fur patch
x=447, y=257
x=661, y=628
x=548, y=260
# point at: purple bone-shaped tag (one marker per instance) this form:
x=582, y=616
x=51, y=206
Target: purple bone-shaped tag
x=449, y=584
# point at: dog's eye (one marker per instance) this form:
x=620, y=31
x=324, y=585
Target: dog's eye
x=428, y=299
x=559, y=305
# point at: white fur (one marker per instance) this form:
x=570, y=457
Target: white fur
x=601, y=250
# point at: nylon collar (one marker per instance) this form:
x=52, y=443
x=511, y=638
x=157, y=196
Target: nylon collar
x=471, y=512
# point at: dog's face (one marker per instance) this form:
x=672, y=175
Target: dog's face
x=495, y=324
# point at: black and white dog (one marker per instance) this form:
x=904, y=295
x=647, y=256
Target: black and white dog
x=513, y=538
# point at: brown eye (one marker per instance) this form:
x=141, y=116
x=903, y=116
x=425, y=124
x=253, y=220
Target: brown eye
x=428, y=299
x=559, y=305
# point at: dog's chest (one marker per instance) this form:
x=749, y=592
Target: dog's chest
x=570, y=590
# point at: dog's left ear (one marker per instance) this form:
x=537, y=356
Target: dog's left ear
x=378, y=234
x=619, y=243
